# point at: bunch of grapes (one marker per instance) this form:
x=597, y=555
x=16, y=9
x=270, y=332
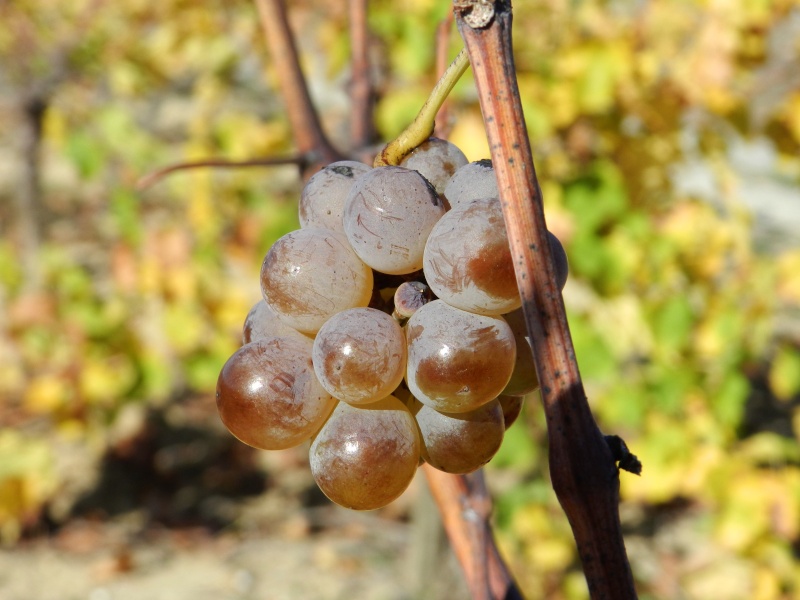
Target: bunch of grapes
x=390, y=330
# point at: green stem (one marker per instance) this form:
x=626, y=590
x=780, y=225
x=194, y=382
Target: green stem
x=422, y=126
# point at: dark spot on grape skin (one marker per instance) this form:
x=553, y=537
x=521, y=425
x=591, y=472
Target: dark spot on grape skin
x=449, y=168
x=342, y=170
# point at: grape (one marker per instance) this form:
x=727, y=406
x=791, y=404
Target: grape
x=471, y=182
x=309, y=275
x=268, y=396
x=559, y=260
x=364, y=457
x=523, y=378
x=360, y=355
x=262, y=322
x=462, y=442
x=437, y=160
x=467, y=260
x=387, y=217
x=512, y=407
x=322, y=198
x=457, y=360
x=409, y=296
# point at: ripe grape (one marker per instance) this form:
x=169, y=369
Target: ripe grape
x=364, y=457
x=436, y=160
x=467, y=261
x=460, y=442
x=311, y=274
x=523, y=378
x=388, y=215
x=360, y=355
x=471, y=182
x=322, y=198
x=512, y=407
x=268, y=396
x=457, y=361
x=408, y=297
x=560, y=262
x=262, y=322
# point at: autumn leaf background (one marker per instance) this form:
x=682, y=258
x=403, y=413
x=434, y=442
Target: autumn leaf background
x=666, y=136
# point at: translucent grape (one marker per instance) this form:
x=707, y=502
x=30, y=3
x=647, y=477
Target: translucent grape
x=410, y=296
x=262, y=322
x=460, y=442
x=360, y=355
x=364, y=457
x=437, y=160
x=467, y=260
x=309, y=275
x=523, y=378
x=471, y=182
x=559, y=260
x=457, y=361
x=512, y=407
x=268, y=396
x=322, y=198
x=387, y=217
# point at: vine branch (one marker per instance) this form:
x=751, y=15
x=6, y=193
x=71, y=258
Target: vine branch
x=584, y=475
x=306, y=126
x=155, y=176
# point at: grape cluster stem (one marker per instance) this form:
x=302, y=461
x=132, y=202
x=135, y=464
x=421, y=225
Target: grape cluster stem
x=584, y=475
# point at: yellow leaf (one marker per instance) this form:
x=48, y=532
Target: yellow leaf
x=46, y=394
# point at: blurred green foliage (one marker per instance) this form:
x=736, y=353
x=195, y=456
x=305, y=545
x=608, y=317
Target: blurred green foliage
x=675, y=312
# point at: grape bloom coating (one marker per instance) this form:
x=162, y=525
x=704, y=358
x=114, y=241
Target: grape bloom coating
x=467, y=260
x=268, y=396
x=360, y=355
x=457, y=361
x=309, y=275
x=365, y=457
x=387, y=218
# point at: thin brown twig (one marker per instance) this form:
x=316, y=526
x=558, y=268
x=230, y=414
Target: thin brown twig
x=582, y=468
x=466, y=508
x=306, y=125
x=362, y=93
x=155, y=176
x=443, y=122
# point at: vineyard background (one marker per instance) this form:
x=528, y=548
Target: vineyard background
x=667, y=139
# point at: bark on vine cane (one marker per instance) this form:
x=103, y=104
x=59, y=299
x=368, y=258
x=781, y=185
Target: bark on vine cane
x=583, y=472
x=306, y=127
x=466, y=507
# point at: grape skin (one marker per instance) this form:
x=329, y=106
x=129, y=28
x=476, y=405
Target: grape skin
x=388, y=215
x=359, y=355
x=311, y=274
x=523, y=378
x=512, y=407
x=471, y=182
x=268, y=396
x=463, y=442
x=364, y=457
x=467, y=261
x=409, y=297
x=322, y=199
x=457, y=361
x=560, y=262
x=262, y=322
x=436, y=160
